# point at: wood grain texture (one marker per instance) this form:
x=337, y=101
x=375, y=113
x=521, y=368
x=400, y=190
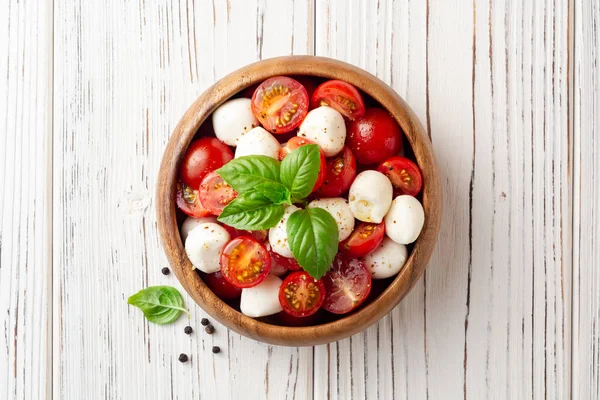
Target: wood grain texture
x=25, y=191
x=586, y=199
x=125, y=72
x=491, y=319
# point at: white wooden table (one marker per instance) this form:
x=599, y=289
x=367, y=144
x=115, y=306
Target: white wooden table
x=509, y=90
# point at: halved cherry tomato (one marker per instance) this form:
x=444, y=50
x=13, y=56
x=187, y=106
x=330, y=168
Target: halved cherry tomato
x=296, y=142
x=203, y=156
x=347, y=283
x=220, y=286
x=310, y=83
x=261, y=236
x=188, y=201
x=364, y=239
x=289, y=320
x=341, y=96
x=374, y=137
x=245, y=262
x=301, y=295
x=339, y=174
x=404, y=174
x=280, y=104
x=285, y=262
x=215, y=194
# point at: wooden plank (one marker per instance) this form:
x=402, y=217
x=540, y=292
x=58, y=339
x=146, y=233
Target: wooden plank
x=25, y=198
x=125, y=72
x=492, y=316
x=586, y=226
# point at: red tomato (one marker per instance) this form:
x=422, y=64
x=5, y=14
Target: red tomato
x=364, y=239
x=245, y=262
x=188, y=201
x=215, y=194
x=347, y=283
x=280, y=104
x=341, y=96
x=203, y=156
x=296, y=142
x=310, y=83
x=339, y=174
x=300, y=295
x=219, y=285
x=403, y=173
x=285, y=262
x=261, y=236
x=374, y=137
x=289, y=320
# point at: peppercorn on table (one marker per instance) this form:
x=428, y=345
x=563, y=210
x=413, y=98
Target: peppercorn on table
x=508, y=91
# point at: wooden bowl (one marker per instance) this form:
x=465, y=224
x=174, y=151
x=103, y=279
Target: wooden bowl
x=183, y=134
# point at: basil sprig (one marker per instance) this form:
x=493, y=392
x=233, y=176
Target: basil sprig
x=266, y=187
x=160, y=304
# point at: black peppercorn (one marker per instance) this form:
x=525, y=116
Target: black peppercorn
x=210, y=329
x=204, y=321
x=183, y=357
x=188, y=330
x=216, y=349
x=165, y=271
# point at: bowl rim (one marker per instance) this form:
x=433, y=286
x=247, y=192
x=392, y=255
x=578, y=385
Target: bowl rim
x=186, y=129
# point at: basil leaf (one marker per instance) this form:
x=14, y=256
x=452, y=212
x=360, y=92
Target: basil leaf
x=160, y=304
x=276, y=192
x=300, y=170
x=313, y=238
x=252, y=211
x=244, y=173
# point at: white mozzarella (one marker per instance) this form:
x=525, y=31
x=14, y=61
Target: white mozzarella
x=204, y=244
x=370, y=196
x=278, y=234
x=340, y=211
x=277, y=269
x=404, y=221
x=258, y=142
x=326, y=127
x=232, y=119
x=386, y=260
x=192, y=222
x=262, y=299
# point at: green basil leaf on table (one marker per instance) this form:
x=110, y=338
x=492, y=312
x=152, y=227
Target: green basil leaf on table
x=313, y=238
x=160, y=304
x=300, y=169
x=244, y=173
x=252, y=211
x=275, y=192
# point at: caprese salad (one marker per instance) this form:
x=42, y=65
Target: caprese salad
x=299, y=200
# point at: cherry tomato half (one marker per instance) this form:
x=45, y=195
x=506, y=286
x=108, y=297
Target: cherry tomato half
x=221, y=287
x=215, y=194
x=310, y=83
x=188, y=201
x=261, y=236
x=341, y=96
x=203, y=156
x=288, y=263
x=339, y=174
x=365, y=238
x=347, y=283
x=280, y=104
x=296, y=142
x=289, y=320
x=404, y=174
x=245, y=262
x=374, y=137
x=300, y=295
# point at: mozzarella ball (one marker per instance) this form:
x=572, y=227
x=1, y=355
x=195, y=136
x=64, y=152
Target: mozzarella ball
x=277, y=269
x=326, y=127
x=204, y=244
x=370, y=196
x=192, y=222
x=386, y=260
x=258, y=142
x=232, y=119
x=278, y=234
x=404, y=221
x=262, y=299
x=340, y=211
